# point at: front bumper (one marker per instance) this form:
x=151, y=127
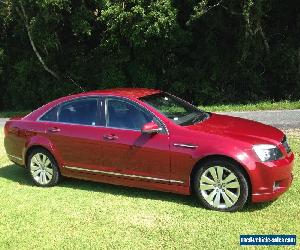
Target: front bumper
x=271, y=179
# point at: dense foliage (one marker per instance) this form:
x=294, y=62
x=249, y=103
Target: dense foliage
x=209, y=51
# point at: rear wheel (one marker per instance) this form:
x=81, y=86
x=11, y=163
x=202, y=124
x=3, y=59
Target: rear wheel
x=43, y=168
x=221, y=185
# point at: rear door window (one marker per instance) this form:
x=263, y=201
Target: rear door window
x=83, y=111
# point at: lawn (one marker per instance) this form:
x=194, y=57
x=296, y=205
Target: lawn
x=79, y=214
x=6, y=114
x=264, y=105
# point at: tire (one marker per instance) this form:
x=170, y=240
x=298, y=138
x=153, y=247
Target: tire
x=221, y=185
x=43, y=168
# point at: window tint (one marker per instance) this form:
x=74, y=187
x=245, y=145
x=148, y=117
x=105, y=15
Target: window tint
x=50, y=116
x=79, y=112
x=122, y=114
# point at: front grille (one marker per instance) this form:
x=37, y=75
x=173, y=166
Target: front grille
x=286, y=145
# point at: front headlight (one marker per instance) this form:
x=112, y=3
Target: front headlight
x=267, y=152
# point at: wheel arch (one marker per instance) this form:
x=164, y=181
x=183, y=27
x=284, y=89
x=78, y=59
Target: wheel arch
x=30, y=149
x=33, y=147
x=201, y=161
x=56, y=173
x=40, y=142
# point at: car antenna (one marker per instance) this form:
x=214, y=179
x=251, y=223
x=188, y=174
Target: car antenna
x=77, y=84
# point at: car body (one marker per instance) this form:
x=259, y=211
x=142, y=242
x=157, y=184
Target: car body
x=165, y=156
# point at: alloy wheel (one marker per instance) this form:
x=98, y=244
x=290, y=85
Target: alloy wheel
x=41, y=168
x=219, y=187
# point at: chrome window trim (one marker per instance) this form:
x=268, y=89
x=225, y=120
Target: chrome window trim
x=123, y=175
x=63, y=103
x=15, y=157
x=48, y=110
x=106, y=112
x=103, y=97
x=164, y=125
x=75, y=124
x=93, y=126
x=134, y=103
x=78, y=100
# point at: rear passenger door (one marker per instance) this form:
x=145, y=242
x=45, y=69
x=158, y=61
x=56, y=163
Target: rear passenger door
x=74, y=133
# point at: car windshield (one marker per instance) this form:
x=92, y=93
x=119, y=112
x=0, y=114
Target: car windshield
x=180, y=112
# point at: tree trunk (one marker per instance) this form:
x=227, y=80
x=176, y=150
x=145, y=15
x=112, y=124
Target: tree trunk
x=299, y=63
x=33, y=44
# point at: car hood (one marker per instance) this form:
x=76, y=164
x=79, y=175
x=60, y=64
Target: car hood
x=238, y=128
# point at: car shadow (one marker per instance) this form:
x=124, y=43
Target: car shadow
x=16, y=173
x=19, y=174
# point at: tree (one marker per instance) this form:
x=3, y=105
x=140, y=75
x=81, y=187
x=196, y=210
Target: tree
x=207, y=51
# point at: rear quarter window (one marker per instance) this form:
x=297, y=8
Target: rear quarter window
x=50, y=116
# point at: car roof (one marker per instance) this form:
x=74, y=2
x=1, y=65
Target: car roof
x=126, y=92
x=133, y=93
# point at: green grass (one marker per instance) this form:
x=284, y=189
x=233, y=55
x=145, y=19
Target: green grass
x=267, y=105
x=8, y=114
x=79, y=215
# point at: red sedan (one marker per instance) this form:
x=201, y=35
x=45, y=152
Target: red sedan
x=150, y=139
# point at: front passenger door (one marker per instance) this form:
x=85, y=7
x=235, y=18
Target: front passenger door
x=129, y=151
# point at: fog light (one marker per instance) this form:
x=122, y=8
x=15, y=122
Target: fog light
x=276, y=185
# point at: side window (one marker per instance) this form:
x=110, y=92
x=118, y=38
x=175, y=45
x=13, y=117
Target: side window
x=82, y=111
x=122, y=114
x=50, y=116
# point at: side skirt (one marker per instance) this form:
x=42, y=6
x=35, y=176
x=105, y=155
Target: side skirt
x=125, y=180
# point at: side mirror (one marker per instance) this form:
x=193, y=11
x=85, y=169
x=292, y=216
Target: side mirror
x=150, y=128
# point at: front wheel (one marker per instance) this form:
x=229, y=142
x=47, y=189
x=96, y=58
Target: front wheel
x=43, y=168
x=221, y=185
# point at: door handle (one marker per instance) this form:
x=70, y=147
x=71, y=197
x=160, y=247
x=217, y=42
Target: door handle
x=54, y=130
x=110, y=137
x=14, y=129
x=29, y=132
